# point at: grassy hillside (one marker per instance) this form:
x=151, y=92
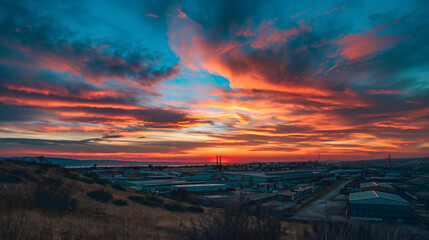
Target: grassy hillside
x=49, y=202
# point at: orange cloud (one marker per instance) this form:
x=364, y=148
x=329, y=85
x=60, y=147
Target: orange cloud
x=151, y=15
x=383, y=91
x=358, y=45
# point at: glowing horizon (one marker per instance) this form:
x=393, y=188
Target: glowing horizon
x=187, y=80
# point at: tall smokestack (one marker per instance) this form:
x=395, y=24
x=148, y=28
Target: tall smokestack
x=390, y=162
x=220, y=163
x=217, y=161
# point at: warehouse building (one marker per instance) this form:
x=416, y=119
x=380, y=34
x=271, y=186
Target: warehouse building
x=374, y=186
x=286, y=197
x=201, y=187
x=281, y=178
x=162, y=185
x=378, y=206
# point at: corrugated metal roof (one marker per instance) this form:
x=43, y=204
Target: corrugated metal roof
x=390, y=196
x=288, y=194
x=203, y=185
x=215, y=196
x=362, y=195
x=375, y=194
x=374, y=184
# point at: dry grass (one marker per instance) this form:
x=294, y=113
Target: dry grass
x=234, y=225
x=92, y=219
x=19, y=219
x=357, y=230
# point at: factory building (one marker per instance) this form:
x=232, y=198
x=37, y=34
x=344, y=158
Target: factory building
x=201, y=187
x=203, y=176
x=162, y=185
x=286, y=197
x=378, y=206
x=283, y=178
x=302, y=192
x=374, y=186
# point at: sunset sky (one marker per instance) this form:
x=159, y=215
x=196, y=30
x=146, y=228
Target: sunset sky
x=189, y=80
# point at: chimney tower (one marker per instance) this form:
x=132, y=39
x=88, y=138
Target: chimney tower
x=390, y=162
x=217, y=161
x=220, y=163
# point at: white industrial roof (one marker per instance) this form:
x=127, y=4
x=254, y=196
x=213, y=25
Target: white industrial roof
x=371, y=195
x=374, y=184
x=202, y=185
x=215, y=196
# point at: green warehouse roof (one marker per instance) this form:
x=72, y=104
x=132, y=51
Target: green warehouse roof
x=374, y=197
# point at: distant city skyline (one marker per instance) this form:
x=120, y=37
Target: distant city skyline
x=186, y=81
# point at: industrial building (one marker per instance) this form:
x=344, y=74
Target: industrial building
x=374, y=186
x=286, y=196
x=162, y=185
x=302, y=192
x=378, y=206
x=201, y=187
x=282, y=178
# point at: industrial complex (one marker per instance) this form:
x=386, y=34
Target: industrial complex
x=301, y=190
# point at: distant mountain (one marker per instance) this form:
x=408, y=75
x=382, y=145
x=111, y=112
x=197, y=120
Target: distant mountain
x=82, y=163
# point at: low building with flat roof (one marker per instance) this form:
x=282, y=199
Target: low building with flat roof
x=249, y=179
x=201, y=187
x=378, y=206
x=161, y=185
x=374, y=186
x=286, y=196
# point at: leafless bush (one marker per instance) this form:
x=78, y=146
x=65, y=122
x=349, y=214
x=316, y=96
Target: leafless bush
x=37, y=225
x=358, y=230
x=23, y=224
x=54, y=194
x=235, y=225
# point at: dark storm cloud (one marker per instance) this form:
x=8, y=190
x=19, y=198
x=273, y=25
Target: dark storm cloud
x=318, y=53
x=153, y=115
x=97, y=146
x=43, y=142
x=11, y=113
x=296, y=77
x=211, y=14
x=35, y=85
x=386, y=70
x=39, y=42
x=365, y=80
x=44, y=66
x=112, y=136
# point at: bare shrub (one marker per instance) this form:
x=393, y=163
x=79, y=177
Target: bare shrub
x=195, y=209
x=87, y=180
x=119, y=187
x=174, y=207
x=24, y=225
x=9, y=179
x=54, y=194
x=356, y=230
x=11, y=199
x=120, y=203
x=148, y=200
x=101, y=196
x=235, y=225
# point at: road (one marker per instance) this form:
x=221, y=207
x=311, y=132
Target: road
x=317, y=209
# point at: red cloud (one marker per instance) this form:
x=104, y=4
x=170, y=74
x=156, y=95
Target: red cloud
x=358, y=45
x=182, y=14
x=152, y=15
x=244, y=70
x=383, y=91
